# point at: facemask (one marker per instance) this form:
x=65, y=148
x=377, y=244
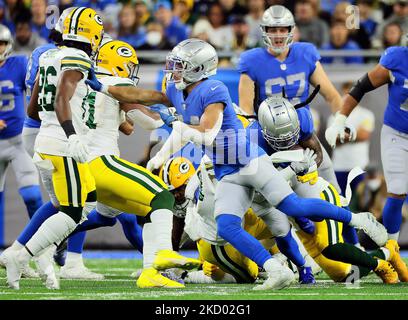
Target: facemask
x=153, y=38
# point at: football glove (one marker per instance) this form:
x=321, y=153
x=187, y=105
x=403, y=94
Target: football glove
x=305, y=225
x=339, y=129
x=307, y=165
x=94, y=83
x=311, y=177
x=165, y=113
x=77, y=149
x=155, y=163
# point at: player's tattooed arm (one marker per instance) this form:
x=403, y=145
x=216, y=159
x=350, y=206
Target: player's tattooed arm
x=327, y=89
x=246, y=91
x=313, y=144
x=370, y=81
x=131, y=94
x=32, y=109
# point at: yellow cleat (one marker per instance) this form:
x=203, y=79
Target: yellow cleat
x=151, y=278
x=386, y=272
x=396, y=260
x=167, y=259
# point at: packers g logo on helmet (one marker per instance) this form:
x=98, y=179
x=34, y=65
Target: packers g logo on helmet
x=83, y=25
x=176, y=172
x=117, y=58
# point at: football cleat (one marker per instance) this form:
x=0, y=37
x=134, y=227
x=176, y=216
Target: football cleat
x=386, y=272
x=167, y=259
x=278, y=278
x=396, y=260
x=44, y=262
x=151, y=278
x=79, y=272
x=306, y=275
x=26, y=270
x=13, y=268
x=375, y=230
x=52, y=282
x=136, y=274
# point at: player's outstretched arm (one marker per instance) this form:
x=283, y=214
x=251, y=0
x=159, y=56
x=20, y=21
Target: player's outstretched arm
x=246, y=91
x=32, y=108
x=327, y=89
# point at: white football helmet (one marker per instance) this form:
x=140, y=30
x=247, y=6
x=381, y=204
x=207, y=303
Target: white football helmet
x=5, y=36
x=277, y=16
x=190, y=61
x=279, y=122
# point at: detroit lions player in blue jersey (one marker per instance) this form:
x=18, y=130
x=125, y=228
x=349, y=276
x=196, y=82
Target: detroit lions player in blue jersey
x=393, y=71
x=294, y=66
x=209, y=120
x=12, y=87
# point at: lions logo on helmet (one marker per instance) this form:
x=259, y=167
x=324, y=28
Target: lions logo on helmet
x=84, y=25
x=176, y=172
x=117, y=58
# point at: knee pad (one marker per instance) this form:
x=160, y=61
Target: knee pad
x=75, y=213
x=162, y=200
x=228, y=224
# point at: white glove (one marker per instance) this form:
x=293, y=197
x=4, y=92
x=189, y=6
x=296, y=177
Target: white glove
x=308, y=164
x=338, y=129
x=155, y=163
x=77, y=148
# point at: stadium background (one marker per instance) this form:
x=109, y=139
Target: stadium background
x=150, y=73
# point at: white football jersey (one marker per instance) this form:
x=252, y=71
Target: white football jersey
x=51, y=138
x=200, y=222
x=105, y=117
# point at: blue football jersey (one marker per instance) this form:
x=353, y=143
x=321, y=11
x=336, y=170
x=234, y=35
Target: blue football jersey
x=31, y=74
x=12, y=87
x=270, y=74
x=254, y=130
x=231, y=149
x=395, y=59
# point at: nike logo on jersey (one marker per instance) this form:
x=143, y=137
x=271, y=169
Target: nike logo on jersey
x=213, y=88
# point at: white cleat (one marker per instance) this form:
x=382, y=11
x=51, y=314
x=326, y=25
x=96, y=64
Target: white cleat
x=52, y=282
x=13, y=267
x=79, y=272
x=45, y=263
x=278, y=278
x=375, y=230
x=136, y=274
x=28, y=272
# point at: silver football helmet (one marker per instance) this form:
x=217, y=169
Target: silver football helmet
x=279, y=122
x=5, y=36
x=189, y=62
x=277, y=16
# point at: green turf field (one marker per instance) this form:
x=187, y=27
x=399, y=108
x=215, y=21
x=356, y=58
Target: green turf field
x=119, y=285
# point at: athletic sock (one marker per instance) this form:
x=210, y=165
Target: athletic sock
x=348, y=253
x=32, y=198
x=132, y=230
x=380, y=253
x=42, y=214
x=75, y=242
x=149, y=245
x=162, y=222
x=229, y=227
x=73, y=259
x=53, y=230
x=392, y=216
x=289, y=247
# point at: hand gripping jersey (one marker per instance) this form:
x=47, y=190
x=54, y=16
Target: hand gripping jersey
x=231, y=150
x=12, y=87
x=271, y=75
x=103, y=117
x=51, y=138
x=395, y=59
x=254, y=130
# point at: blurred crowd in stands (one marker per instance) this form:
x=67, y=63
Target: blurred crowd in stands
x=230, y=25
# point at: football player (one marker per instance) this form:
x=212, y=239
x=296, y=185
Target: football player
x=60, y=147
x=205, y=108
x=281, y=127
x=12, y=87
x=293, y=66
x=392, y=71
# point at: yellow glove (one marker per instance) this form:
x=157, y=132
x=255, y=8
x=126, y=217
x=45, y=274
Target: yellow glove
x=211, y=270
x=309, y=177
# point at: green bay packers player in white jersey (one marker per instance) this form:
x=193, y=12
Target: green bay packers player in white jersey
x=61, y=88
x=123, y=186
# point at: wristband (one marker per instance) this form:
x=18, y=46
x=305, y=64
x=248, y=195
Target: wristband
x=68, y=128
